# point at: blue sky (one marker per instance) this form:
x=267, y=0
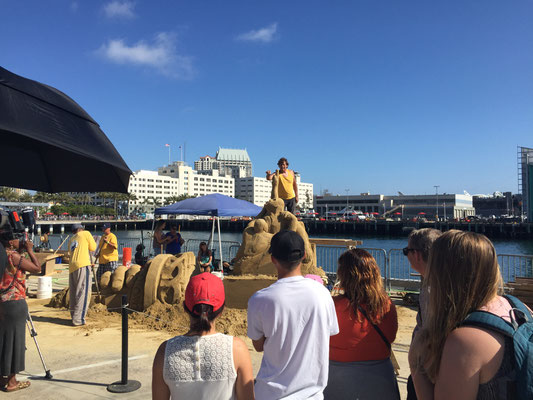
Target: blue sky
x=378, y=96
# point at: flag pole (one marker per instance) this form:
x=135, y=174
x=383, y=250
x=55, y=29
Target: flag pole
x=167, y=145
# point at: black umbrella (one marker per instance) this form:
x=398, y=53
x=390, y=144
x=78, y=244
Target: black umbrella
x=49, y=143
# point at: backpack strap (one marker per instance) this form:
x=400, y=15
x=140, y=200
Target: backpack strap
x=487, y=320
x=518, y=304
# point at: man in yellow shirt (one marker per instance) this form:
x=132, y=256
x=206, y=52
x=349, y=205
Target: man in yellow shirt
x=288, y=188
x=79, y=277
x=108, y=260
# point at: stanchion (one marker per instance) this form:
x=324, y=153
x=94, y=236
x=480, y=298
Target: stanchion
x=124, y=385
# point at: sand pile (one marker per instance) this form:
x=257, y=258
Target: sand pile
x=174, y=319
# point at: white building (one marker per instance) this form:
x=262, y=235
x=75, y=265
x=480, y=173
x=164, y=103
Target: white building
x=206, y=163
x=232, y=162
x=258, y=191
x=151, y=190
x=194, y=183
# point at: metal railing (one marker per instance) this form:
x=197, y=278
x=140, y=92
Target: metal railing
x=397, y=271
x=513, y=265
x=394, y=266
x=194, y=244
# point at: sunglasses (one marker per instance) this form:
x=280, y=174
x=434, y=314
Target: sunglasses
x=406, y=250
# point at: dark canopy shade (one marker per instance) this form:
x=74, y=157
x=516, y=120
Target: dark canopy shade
x=49, y=143
x=212, y=204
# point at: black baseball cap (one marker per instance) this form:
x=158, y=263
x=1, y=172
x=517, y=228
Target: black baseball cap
x=287, y=246
x=75, y=227
x=105, y=226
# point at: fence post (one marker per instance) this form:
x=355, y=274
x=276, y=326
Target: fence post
x=124, y=385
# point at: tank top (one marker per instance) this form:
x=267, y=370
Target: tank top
x=12, y=285
x=502, y=386
x=200, y=367
x=286, y=188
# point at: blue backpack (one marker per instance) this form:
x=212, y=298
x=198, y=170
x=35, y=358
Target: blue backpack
x=520, y=330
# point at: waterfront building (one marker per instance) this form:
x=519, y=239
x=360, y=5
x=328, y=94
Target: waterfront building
x=442, y=206
x=525, y=180
x=196, y=183
x=151, y=190
x=258, y=191
x=497, y=204
x=233, y=162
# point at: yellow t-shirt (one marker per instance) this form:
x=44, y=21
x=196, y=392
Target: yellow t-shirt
x=108, y=253
x=286, y=188
x=79, y=246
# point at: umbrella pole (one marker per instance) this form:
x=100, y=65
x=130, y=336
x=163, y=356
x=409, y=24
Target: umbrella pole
x=221, y=265
x=212, y=234
x=152, y=241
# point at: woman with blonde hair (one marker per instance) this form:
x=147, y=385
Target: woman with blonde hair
x=451, y=361
x=360, y=365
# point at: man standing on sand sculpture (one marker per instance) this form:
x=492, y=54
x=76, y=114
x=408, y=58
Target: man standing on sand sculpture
x=291, y=321
x=285, y=183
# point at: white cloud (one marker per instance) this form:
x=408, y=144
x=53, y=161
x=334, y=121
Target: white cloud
x=119, y=9
x=160, y=55
x=264, y=35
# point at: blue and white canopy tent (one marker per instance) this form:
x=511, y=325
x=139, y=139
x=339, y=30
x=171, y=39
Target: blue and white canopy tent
x=215, y=205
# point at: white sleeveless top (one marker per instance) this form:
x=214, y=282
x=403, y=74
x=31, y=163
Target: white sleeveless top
x=200, y=367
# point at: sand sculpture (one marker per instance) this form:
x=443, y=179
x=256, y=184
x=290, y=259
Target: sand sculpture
x=253, y=257
x=164, y=279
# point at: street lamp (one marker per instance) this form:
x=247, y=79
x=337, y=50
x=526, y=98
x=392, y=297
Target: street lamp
x=437, y=208
x=346, y=190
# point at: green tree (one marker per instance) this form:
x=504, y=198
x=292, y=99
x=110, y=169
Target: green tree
x=42, y=197
x=8, y=194
x=26, y=197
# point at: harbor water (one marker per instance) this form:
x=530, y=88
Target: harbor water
x=386, y=251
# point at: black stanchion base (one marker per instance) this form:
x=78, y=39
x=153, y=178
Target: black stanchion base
x=119, y=387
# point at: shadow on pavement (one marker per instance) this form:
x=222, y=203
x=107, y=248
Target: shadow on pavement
x=52, y=320
x=40, y=378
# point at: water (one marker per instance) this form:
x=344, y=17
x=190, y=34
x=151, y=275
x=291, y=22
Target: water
x=507, y=246
x=327, y=257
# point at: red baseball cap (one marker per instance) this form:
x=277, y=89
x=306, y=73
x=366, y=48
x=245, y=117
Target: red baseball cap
x=205, y=288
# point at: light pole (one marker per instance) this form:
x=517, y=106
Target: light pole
x=346, y=190
x=437, y=208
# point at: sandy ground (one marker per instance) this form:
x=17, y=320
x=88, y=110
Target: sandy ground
x=84, y=360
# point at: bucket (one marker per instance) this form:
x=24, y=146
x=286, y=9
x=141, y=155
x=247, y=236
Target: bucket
x=44, y=287
x=126, y=256
x=218, y=274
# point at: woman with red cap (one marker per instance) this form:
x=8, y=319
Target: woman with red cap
x=203, y=363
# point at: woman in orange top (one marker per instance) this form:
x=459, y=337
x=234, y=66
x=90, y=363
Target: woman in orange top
x=13, y=308
x=360, y=366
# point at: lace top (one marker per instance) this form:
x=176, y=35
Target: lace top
x=200, y=367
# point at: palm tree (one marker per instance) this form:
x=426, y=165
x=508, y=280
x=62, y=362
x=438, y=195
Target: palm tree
x=8, y=194
x=42, y=197
x=146, y=203
x=26, y=197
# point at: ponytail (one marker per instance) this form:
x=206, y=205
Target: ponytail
x=202, y=315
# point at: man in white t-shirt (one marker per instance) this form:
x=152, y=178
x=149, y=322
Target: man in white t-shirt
x=291, y=321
